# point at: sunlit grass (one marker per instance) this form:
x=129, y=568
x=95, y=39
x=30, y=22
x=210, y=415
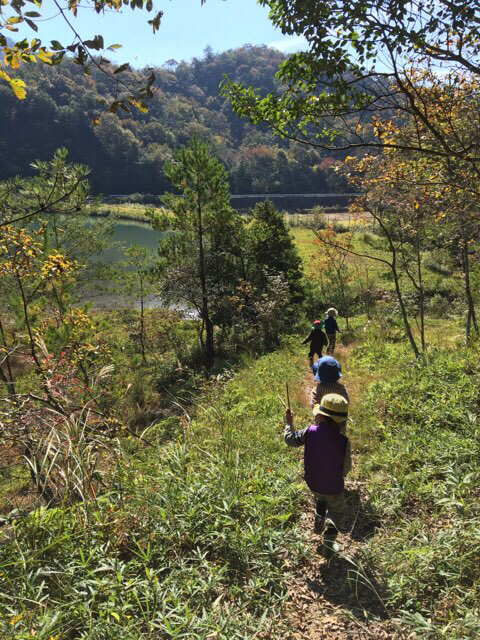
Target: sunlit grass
x=195, y=538
x=128, y=211
x=416, y=436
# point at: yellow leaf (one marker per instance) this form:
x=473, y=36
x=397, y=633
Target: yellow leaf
x=18, y=88
x=140, y=105
x=13, y=60
x=14, y=619
x=5, y=76
x=45, y=56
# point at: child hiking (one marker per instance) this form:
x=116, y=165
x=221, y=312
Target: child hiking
x=327, y=373
x=327, y=459
x=317, y=340
x=331, y=329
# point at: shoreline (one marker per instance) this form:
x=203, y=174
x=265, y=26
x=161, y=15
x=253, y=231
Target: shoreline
x=122, y=218
x=145, y=220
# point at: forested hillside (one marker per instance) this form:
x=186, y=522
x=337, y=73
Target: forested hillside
x=127, y=151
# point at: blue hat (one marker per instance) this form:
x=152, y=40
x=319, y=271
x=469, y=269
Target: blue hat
x=327, y=369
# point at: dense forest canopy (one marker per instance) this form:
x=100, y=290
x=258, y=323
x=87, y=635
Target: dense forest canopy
x=127, y=150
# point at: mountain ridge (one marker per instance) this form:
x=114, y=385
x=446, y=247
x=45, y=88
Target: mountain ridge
x=127, y=151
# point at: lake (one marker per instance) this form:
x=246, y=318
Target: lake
x=127, y=232
x=130, y=232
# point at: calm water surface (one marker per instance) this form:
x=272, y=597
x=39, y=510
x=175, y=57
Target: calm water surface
x=127, y=233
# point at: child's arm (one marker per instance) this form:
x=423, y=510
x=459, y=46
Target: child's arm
x=293, y=438
x=308, y=338
x=347, y=461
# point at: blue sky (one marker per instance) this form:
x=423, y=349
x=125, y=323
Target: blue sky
x=187, y=28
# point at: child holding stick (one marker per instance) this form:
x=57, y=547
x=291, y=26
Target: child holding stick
x=327, y=459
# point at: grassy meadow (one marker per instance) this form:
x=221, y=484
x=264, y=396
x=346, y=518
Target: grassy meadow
x=194, y=539
x=197, y=532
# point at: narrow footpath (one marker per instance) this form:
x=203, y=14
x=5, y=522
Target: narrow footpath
x=339, y=599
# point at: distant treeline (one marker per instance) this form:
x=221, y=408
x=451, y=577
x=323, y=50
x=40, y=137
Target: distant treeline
x=127, y=151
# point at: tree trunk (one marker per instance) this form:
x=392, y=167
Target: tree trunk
x=471, y=316
x=406, y=323
x=209, y=344
x=8, y=376
x=142, y=322
x=60, y=305
x=421, y=293
x=209, y=353
x=200, y=330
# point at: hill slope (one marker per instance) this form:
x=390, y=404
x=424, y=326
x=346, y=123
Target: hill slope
x=127, y=151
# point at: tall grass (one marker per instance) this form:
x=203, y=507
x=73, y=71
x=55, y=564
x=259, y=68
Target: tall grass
x=417, y=430
x=193, y=540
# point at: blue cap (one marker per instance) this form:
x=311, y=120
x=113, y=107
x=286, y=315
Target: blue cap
x=327, y=369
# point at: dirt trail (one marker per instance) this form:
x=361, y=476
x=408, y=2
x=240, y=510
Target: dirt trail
x=339, y=599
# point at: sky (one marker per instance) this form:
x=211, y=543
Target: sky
x=186, y=29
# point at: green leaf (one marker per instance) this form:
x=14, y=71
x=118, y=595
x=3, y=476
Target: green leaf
x=121, y=68
x=31, y=24
x=280, y=517
x=96, y=43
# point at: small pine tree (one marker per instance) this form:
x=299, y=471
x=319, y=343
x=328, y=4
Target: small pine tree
x=271, y=252
x=199, y=258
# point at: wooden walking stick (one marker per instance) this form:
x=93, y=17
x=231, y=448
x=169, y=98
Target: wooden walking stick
x=288, y=396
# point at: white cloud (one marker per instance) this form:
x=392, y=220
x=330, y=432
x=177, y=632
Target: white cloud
x=290, y=43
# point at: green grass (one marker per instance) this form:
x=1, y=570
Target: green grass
x=194, y=540
x=196, y=536
x=305, y=243
x=417, y=437
x=128, y=211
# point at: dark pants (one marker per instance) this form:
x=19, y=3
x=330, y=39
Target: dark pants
x=315, y=350
x=331, y=342
x=335, y=505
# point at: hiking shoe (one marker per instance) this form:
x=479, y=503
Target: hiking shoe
x=330, y=547
x=318, y=524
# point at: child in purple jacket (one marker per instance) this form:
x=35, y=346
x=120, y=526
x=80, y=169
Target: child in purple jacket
x=327, y=459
